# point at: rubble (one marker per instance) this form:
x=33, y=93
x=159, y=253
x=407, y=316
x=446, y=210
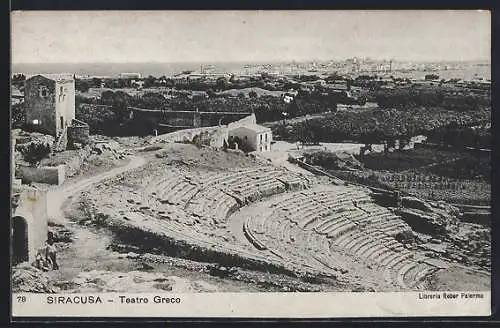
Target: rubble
x=111, y=147
x=472, y=248
x=416, y=203
x=27, y=278
x=132, y=282
x=427, y=223
x=23, y=138
x=436, y=219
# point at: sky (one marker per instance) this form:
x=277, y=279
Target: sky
x=248, y=36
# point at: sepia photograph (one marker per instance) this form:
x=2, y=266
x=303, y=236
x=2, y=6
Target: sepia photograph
x=244, y=152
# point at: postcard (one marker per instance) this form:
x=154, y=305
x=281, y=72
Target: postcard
x=251, y=164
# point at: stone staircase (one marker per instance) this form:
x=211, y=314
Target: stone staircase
x=61, y=141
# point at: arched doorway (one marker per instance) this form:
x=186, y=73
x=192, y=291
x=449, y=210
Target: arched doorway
x=19, y=240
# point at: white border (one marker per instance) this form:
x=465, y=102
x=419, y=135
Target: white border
x=258, y=305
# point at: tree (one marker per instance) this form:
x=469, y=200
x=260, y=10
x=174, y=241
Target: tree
x=150, y=81
x=333, y=77
x=152, y=100
x=18, y=80
x=252, y=94
x=34, y=152
x=430, y=77
x=211, y=93
x=107, y=97
x=96, y=82
x=18, y=115
x=81, y=85
x=170, y=83
x=403, y=142
x=121, y=101
x=221, y=83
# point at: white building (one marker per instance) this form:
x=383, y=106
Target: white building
x=253, y=136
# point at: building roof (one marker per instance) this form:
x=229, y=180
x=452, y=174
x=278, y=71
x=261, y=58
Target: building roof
x=255, y=127
x=58, y=77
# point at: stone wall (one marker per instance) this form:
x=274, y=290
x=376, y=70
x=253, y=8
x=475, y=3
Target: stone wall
x=33, y=209
x=213, y=135
x=154, y=118
x=78, y=134
x=41, y=108
x=46, y=174
x=65, y=104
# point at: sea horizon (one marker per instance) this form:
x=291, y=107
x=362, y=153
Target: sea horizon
x=158, y=69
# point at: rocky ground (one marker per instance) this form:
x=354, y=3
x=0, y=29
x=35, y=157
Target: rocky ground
x=93, y=259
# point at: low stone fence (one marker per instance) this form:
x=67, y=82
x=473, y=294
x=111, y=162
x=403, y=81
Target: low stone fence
x=54, y=175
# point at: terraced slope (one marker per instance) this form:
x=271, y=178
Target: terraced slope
x=314, y=226
x=194, y=206
x=260, y=212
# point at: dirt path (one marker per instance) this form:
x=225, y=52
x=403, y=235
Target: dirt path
x=57, y=197
x=88, y=254
x=88, y=248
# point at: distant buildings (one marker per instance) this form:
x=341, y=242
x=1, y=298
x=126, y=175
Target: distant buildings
x=190, y=76
x=130, y=75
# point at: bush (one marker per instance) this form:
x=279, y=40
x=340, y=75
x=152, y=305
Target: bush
x=18, y=115
x=101, y=220
x=35, y=152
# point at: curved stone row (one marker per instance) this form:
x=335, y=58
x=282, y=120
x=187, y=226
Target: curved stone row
x=305, y=228
x=340, y=219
